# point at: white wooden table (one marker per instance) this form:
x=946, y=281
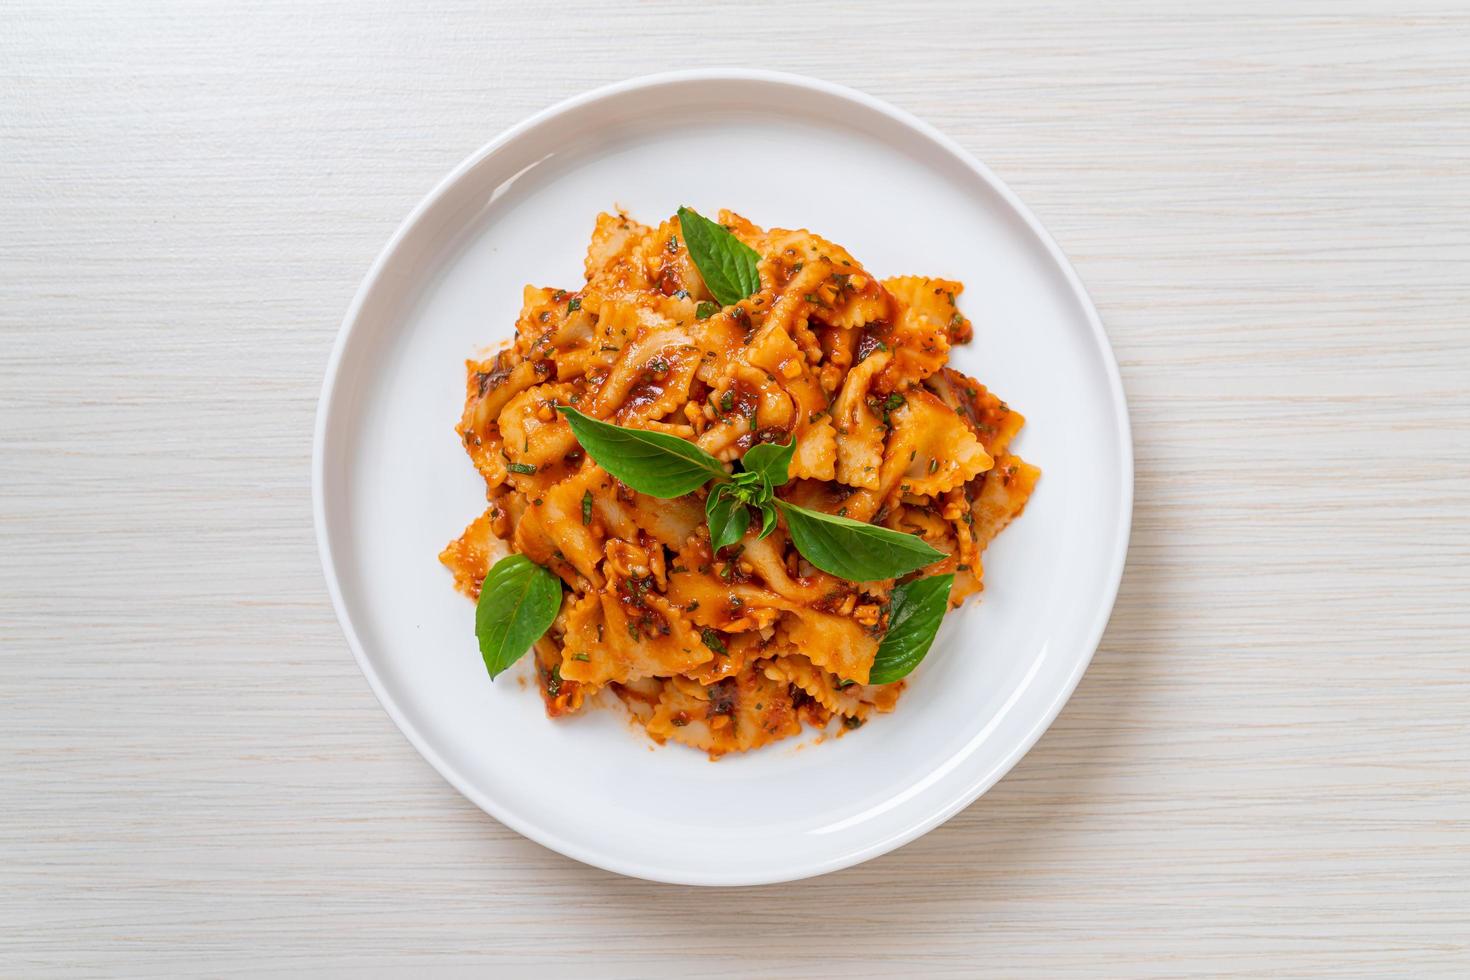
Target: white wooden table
x=1267, y=767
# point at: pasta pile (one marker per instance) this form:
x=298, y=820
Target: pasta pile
x=732, y=650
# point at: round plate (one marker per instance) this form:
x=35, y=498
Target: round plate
x=392, y=484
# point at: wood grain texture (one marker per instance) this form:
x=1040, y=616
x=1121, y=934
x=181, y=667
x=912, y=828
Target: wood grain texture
x=1267, y=768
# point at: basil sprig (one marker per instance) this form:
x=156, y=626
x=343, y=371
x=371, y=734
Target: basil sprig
x=663, y=465
x=727, y=265
x=914, y=613
x=518, y=601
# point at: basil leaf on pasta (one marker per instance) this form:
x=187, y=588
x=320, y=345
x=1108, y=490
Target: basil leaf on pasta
x=853, y=550
x=655, y=463
x=768, y=517
x=750, y=484
x=727, y=265
x=771, y=460
x=518, y=601
x=913, y=620
x=728, y=516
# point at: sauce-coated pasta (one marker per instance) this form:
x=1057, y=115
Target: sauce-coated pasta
x=729, y=651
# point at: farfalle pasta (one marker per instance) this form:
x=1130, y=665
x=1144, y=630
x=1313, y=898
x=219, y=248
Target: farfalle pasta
x=727, y=649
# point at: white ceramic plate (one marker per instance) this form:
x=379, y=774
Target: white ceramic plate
x=392, y=484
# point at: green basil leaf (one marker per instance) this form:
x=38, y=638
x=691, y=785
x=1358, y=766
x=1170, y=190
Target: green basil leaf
x=768, y=517
x=655, y=463
x=771, y=460
x=852, y=549
x=727, y=515
x=914, y=616
x=727, y=265
x=752, y=483
x=518, y=601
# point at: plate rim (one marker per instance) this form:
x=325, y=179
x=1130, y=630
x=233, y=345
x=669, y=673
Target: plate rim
x=970, y=791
